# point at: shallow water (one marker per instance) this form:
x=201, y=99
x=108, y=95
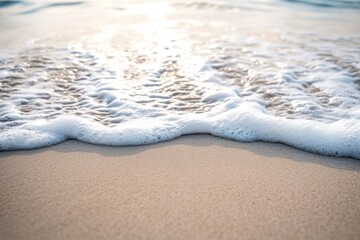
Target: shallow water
x=147, y=71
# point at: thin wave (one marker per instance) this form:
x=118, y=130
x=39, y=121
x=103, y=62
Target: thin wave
x=50, y=5
x=328, y=3
x=4, y=4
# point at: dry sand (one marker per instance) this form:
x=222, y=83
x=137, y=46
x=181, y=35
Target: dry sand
x=195, y=187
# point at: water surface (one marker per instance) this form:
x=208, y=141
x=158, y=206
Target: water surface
x=140, y=72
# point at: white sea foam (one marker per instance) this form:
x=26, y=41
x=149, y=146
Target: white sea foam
x=246, y=122
x=168, y=75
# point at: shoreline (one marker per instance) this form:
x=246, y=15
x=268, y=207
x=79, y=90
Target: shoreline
x=195, y=187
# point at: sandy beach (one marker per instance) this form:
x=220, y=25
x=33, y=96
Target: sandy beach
x=195, y=187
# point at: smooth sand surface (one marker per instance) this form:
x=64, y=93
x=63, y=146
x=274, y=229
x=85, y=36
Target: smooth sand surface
x=195, y=187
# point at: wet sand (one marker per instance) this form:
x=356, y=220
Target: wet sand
x=195, y=187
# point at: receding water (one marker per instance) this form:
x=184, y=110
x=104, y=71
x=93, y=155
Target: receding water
x=140, y=72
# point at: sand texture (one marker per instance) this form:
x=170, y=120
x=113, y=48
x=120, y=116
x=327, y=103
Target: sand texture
x=195, y=187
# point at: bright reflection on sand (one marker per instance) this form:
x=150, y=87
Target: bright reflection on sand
x=158, y=10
